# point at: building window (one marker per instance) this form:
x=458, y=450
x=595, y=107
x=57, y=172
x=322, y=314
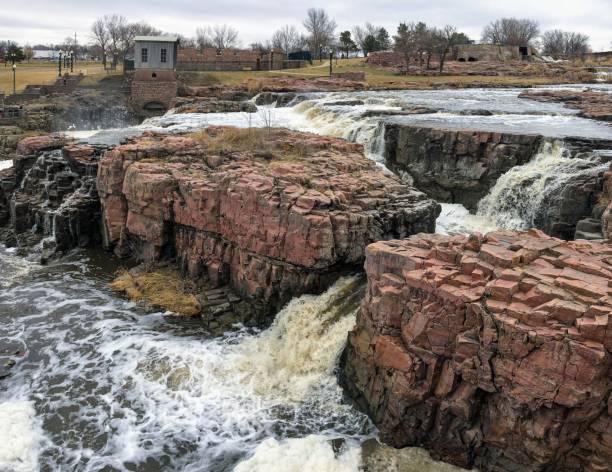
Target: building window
x=144, y=56
x=164, y=55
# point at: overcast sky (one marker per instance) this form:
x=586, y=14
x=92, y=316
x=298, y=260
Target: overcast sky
x=46, y=21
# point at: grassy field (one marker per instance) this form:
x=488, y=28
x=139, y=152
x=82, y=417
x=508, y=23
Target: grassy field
x=376, y=77
x=44, y=73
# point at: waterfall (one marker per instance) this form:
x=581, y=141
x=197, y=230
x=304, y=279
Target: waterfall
x=522, y=196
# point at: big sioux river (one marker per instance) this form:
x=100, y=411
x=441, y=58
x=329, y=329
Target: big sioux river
x=100, y=385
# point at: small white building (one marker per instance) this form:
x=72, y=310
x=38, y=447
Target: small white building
x=155, y=52
x=45, y=54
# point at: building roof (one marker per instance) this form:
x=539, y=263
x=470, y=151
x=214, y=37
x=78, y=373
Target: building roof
x=157, y=39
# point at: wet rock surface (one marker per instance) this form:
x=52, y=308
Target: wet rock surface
x=591, y=103
x=492, y=351
x=605, y=202
x=271, y=222
x=206, y=105
x=50, y=193
x=455, y=166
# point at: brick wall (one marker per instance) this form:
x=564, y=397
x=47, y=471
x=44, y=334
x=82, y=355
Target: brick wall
x=153, y=90
x=209, y=59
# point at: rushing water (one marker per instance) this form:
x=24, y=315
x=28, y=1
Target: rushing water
x=100, y=385
x=360, y=117
x=521, y=196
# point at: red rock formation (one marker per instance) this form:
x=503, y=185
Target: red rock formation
x=36, y=144
x=273, y=224
x=606, y=199
x=492, y=351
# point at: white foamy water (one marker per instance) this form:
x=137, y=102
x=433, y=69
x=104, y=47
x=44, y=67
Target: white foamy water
x=312, y=453
x=6, y=164
x=456, y=219
x=20, y=437
x=115, y=388
x=522, y=194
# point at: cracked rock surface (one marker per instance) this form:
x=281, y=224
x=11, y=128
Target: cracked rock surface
x=491, y=351
x=272, y=224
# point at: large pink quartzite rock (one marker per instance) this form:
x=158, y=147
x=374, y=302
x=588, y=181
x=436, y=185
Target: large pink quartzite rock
x=492, y=352
x=273, y=225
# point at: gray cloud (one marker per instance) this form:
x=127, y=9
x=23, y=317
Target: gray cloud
x=41, y=21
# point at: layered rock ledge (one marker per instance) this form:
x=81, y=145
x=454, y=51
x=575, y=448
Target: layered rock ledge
x=492, y=351
x=269, y=212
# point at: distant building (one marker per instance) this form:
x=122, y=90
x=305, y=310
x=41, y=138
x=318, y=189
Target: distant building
x=45, y=55
x=155, y=52
x=153, y=84
x=490, y=52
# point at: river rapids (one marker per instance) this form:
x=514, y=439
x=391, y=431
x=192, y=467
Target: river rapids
x=100, y=385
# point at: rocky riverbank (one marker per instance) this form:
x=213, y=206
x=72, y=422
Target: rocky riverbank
x=591, y=103
x=455, y=166
x=463, y=166
x=269, y=212
x=48, y=198
x=491, y=351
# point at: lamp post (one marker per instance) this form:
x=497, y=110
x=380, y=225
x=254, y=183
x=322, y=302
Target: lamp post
x=71, y=62
x=320, y=53
x=59, y=63
x=14, y=79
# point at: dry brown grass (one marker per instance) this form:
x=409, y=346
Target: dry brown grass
x=44, y=73
x=603, y=200
x=161, y=288
x=262, y=142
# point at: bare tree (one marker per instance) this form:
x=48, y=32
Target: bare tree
x=100, y=37
x=557, y=42
x=115, y=25
x=185, y=41
x=204, y=38
x=511, y=32
x=553, y=42
x=447, y=37
x=28, y=52
x=224, y=37
x=362, y=35
x=321, y=29
x=129, y=31
x=288, y=39
x=576, y=44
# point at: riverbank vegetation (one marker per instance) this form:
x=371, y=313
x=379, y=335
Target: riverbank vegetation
x=161, y=287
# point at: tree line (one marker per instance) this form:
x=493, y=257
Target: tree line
x=112, y=36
